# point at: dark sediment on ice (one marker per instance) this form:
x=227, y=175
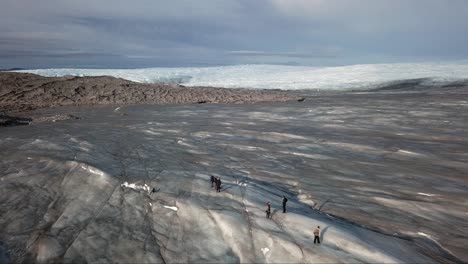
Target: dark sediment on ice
x=6, y=120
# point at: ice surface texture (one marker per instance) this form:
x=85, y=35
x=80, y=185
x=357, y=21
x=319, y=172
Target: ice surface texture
x=283, y=77
x=78, y=190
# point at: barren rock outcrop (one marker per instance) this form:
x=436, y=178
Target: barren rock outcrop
x=24, y=91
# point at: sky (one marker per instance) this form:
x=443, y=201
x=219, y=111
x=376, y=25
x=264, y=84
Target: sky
x=192, y=33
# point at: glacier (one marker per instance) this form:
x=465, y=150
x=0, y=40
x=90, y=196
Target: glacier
x=364, y=76
x=383, y=175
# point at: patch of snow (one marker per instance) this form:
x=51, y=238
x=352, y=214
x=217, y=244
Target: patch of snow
x=284, y=135
x=354, y=147
x=430, y=237
x=426, y=194
x=202, y=134
x=137, y=187
x=181, y=142
x=173, y=208
x=93, y=171
x=245, y=171
x=265, y=251
x=402, y=151
x=424, y=235
x=147, y=131
x=433, y=240
x=306, y=199
x=242, y=147
x=310, y=156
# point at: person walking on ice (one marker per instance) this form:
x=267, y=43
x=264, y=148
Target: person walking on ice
x=212, y=181
x=285, y=200
x=218, y=184
x=268, y=209
x=317, y=235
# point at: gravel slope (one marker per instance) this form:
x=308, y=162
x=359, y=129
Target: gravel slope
x=24, y=91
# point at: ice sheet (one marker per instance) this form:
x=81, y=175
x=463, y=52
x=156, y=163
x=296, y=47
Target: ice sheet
x=282, y=77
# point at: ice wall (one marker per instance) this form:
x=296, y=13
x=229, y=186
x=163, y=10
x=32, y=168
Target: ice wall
x=282, y=77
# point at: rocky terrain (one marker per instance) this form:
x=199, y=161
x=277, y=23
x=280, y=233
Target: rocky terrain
x=383, y=174
x=25, y=91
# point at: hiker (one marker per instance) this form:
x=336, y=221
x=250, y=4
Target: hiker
x=317, y=235
x=212, y=181
x=268, y=209
x=218, y=184
x=285, y=200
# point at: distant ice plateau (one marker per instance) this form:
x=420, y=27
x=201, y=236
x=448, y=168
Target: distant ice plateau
x=362, y=76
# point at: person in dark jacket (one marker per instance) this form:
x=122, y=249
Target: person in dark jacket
x=218, y=184
x=212, y=181
x=268, y=209
x=285, y=200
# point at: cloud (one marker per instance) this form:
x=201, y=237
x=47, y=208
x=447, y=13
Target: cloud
x=251, y=53
x=208, y=32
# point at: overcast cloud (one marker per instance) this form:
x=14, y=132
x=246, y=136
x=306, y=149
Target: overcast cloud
x=145, y=33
